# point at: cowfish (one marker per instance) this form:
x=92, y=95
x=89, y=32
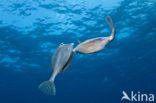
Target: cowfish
x=96, y=44
x=61, y=60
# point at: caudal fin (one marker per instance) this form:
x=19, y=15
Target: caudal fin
x=48, y=87
x=110, y=22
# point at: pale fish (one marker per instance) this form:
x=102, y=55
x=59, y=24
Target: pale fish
x=96, y=44
x=60, y=62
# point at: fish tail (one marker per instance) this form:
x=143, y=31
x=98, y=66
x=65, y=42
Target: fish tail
x=111, y=24
x=48, y=87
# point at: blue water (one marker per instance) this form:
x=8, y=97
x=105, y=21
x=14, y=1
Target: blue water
x=30, y=30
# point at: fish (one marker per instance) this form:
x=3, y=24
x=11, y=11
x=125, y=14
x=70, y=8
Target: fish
x=61, y=60
x=96, y=44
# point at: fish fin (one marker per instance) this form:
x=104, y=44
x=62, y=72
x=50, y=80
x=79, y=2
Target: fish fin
x=110, y=22
x=67, y=64
x=48, y=87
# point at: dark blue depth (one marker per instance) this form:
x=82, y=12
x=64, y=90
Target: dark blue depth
x=30, y=30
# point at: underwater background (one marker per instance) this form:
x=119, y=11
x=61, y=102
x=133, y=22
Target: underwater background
x=30, y=30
